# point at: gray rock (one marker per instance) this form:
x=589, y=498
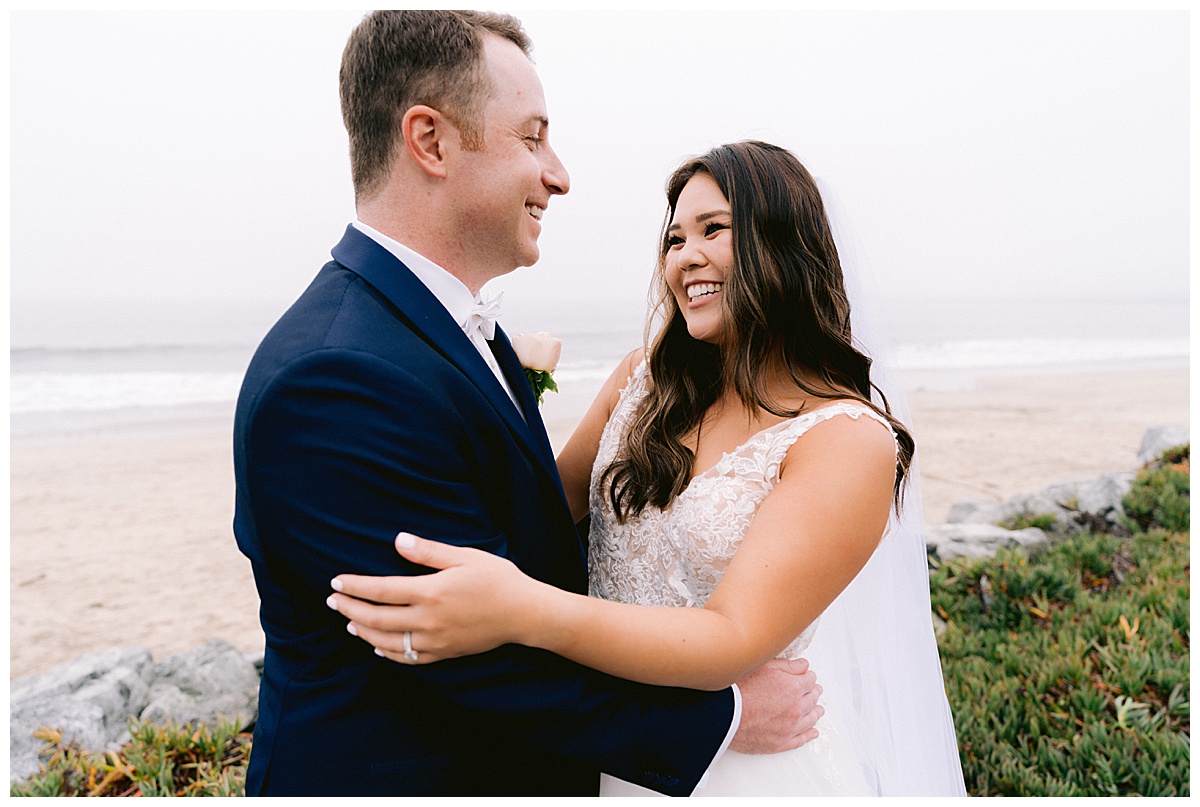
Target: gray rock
x=1100, y=496
x=975, y=511
x=1023, y=505
x=203, y=685
x=73, y=675
x=1064, y=502
x=1066, y=494
x=1028, y=505
x=1159, y=438
x=81, y=722
x=979, y=540
x=89, y=699
x=257, y=659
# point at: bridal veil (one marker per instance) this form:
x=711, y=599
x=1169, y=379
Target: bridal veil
x=875, y=653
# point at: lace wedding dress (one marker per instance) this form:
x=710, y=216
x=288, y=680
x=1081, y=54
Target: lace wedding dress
x=676, y=557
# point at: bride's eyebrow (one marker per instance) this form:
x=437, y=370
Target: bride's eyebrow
x=701, y=218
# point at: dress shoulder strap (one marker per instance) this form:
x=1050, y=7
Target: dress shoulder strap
x=791, y=430
x=636, y=387
x=854, y=410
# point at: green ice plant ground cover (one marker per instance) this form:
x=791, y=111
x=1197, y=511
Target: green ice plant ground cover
x=1067, y=671
x=157, y=761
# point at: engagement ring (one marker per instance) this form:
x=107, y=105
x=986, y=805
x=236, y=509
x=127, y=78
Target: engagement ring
x=409, y=653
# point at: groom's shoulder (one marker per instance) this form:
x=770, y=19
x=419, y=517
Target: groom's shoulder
x=338, y=309
x=338, y=314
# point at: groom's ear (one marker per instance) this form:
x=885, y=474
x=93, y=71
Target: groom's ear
x=424, y=130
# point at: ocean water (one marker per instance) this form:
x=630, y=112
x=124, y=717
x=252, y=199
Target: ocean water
x=130, y=364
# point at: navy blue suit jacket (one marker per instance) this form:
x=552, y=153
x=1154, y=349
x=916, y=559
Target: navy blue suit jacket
x=367, y=411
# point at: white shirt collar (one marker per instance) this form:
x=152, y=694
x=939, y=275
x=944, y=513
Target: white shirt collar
x=451, y=292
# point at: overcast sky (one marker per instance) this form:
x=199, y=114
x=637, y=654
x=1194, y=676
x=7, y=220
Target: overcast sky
x=1012, y=155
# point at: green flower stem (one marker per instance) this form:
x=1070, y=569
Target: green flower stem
x=539, y=382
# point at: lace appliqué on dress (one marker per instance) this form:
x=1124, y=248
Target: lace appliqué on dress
x=676, y=557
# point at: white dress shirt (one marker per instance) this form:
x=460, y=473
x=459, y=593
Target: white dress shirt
x=451, y=292
x=457, y=299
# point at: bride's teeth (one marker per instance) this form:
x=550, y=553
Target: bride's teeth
x=702, y=289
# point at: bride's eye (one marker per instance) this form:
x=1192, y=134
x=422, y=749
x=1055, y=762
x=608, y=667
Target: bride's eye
x=715, y=226
x=673, y=241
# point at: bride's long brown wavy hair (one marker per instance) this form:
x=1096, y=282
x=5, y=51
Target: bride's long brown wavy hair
x=784, y=307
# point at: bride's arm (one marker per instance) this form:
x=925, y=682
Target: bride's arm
x=811, y=536
x=579, y=454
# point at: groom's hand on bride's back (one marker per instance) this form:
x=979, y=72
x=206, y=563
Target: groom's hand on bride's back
x=779, y=708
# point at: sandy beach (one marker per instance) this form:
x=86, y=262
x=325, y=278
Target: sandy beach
x=124, y=537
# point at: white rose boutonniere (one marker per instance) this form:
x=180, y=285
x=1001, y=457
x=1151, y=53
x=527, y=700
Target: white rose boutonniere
x=539, y=353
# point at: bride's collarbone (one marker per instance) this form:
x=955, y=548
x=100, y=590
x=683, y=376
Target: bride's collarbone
x=724, y=431
x=725, y=428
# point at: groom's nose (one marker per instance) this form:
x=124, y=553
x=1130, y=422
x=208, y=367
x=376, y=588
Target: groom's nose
x=554, y=173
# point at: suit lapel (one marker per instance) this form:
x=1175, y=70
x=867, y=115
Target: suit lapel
x=515, y=373
x=429, y=317
x=540, y=441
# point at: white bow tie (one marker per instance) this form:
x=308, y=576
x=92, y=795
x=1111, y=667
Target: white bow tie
x=483, y=317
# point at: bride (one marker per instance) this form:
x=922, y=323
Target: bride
x=747, y=466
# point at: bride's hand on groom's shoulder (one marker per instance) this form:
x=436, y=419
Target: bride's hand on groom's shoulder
x=473, y=604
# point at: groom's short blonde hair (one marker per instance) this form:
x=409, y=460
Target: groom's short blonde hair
x=397, y=59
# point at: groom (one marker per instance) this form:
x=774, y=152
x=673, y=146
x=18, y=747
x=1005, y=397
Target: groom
x=385, y=398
